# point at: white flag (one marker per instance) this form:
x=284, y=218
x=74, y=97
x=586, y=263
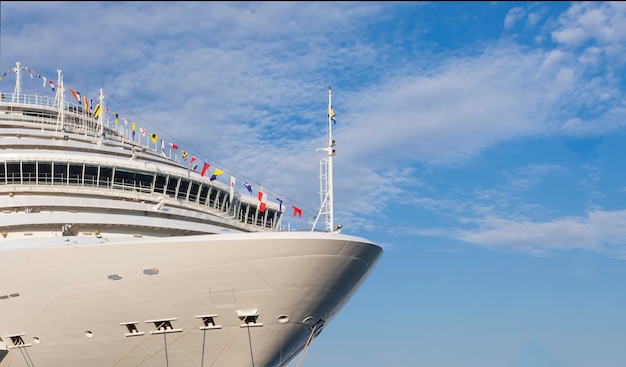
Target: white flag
x=232, y=187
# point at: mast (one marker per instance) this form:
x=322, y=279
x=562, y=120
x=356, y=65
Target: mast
x=101, y=114
x=331, y=154
x=326, y=174
x=60, y=97
x=18, y=81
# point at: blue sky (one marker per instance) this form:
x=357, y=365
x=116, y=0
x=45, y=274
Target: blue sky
x=480, y=143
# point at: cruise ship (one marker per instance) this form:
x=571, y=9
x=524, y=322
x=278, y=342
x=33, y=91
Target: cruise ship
x=116, y=250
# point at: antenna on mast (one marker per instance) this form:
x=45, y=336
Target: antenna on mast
x=326, y=175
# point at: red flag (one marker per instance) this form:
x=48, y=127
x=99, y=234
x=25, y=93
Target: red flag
x=192, y=160
x=206, y=168
x=297, y=211
x=174, y=146
x=262, y=202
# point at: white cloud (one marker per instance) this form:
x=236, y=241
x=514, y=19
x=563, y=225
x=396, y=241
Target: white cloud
x=523, y=178
x=603, y=22
x=513, y=16
x=600, y=231
x=534, y=18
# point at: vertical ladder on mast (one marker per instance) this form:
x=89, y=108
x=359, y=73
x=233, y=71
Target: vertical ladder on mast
x=326, y=176
x=324, y=192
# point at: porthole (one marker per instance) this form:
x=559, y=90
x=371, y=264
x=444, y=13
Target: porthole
x=283, y=319
x=114, y=277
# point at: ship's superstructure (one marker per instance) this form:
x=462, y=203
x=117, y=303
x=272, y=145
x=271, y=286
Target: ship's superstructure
x=114, y=253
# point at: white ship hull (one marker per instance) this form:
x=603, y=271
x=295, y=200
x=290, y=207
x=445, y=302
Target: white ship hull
x=114, y=253
x=67, y=309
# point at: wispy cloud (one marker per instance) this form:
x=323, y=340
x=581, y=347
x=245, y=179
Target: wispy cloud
x=600, y=231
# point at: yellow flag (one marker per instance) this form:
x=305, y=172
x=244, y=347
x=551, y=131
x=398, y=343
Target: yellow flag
x=96, y=111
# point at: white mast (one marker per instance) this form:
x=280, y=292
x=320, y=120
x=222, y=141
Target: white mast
x=326, y=174
x=60, y=97
x=331, y=153
x=18, y=81
x=101, y=114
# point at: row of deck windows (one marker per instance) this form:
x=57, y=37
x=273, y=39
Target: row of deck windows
x=106, y=177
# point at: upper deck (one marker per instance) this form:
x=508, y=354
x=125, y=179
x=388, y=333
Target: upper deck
x=69, y=162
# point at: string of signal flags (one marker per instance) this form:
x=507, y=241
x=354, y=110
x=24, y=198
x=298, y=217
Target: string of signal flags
x=95, y=110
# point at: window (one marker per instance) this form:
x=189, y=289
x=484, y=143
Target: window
x=221, y=200
x=44, y=172
x=3, y=174
x=159, y=184
x=13, y=172
x=106, y=177
x=124, y=178
x=76, y=174
x=60, y=173
x=261, y=218
x=182, y=189
x=29, y=172
x=250, y=214
x=91, y=175
x=213, y=197
x=144, y=181
x=172, y=183
x=203, y=194
x=193, y=194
